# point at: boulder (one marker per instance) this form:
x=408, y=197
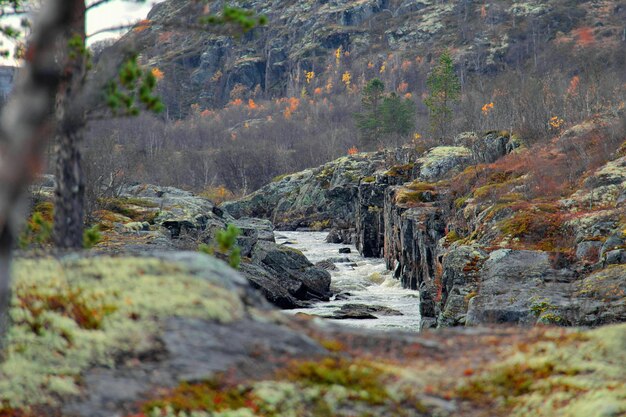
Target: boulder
x=293, y=270
x=520, y=286
x=362, y=312
x=441, y=160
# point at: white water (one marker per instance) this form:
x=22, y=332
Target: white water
x=367, y=282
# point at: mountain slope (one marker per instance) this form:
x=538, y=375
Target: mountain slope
x=368, y=38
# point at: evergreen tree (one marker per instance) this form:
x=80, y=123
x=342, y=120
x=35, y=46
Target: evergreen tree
x=383, y=114
x=369, y=121
x=445, y=89
x=398, y=115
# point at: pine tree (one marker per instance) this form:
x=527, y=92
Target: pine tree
x=445, y=89
x=383, y=114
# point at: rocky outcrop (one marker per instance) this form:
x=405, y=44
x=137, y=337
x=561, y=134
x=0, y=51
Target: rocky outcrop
x=323, y=197
x=473, y=281
x=145, y=218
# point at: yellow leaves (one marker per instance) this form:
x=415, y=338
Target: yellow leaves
x=346, y=78
x=487, y=108
x=338, y=54
x=217, y=76
x=157, y=73
x=556, y=122
x=309, y=76
x=416, y=136
x=383, y=68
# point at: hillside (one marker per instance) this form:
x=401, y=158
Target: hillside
x=395, y=39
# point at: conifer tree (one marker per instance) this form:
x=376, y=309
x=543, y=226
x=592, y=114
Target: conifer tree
x=444, y=90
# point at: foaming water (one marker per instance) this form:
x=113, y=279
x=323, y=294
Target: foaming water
x=366, y=280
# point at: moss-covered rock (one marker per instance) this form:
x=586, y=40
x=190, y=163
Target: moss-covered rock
x=72, y=313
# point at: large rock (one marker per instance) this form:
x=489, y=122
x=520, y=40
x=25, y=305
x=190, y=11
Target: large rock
x=292, y=270
x=442, y=160
x=177, y=210
x=520, y=286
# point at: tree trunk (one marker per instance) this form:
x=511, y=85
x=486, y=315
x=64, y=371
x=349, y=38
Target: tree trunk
x=69, y=210
x=69, y=207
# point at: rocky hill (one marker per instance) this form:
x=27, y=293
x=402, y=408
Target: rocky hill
x=368, y=38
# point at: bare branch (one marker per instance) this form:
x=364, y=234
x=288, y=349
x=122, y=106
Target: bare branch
x=96, y=4
x=112, y=29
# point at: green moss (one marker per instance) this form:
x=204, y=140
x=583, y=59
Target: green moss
x=369, y=179
x=136, y=209
x=280, y=177
x=399, y=170
x=68, y=315
x=452, y=236
x=564, y=374
x=320, y=225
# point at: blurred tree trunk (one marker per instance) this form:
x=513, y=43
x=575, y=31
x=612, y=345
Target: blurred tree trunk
x=25, y=126
x=69, y=207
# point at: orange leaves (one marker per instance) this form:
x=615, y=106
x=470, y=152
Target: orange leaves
x=584, y=36
x=294, y=103
x=158, y=74
x=236, y=102
x=353, y=150
x=142, y=25
x=487, y=108
x=406, y=65
x=317, y=91
x=572, y=90
x=252, y=105
x=403, y=87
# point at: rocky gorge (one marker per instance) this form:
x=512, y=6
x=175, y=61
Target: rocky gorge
x=453, y=222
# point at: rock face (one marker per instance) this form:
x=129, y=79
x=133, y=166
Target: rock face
x=322, y=197
x=475, y=283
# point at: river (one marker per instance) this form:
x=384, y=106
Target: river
x=366, y=280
